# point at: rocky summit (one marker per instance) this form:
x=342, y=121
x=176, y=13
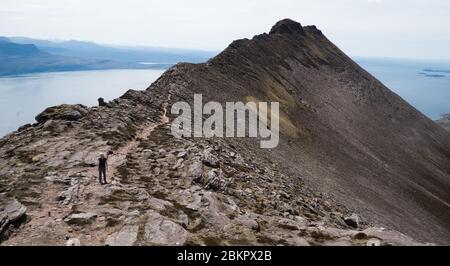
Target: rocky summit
x=356, y=164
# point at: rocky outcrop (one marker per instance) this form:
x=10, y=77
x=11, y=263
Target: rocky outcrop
x=11, y=211
x=62, y=112
x=352, y=220
x=162, y=231
x=80, y=218
x=101, y=102
x=287, y=26
x=127, y=236
x=73, y=242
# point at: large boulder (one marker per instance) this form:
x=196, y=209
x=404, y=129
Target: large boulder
x=101, y=102
x=4, y=222
x=80, y=218
x=62, y=112
x=73, y=242
x=127, y=236
x=287, y=26
x=352, y=220
x=162, y=231
x=11, y=210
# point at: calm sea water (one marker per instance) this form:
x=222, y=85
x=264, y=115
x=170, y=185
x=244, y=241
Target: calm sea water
x=425, y=85
x=23, y=97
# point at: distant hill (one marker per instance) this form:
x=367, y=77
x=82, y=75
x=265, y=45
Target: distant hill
x=9, y=48
x=22, y=55
x=130, y=54
x=19, y=64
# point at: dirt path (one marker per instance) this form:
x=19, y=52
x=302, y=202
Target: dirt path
x=115, y=160
x=119, y=156
x=84, y=197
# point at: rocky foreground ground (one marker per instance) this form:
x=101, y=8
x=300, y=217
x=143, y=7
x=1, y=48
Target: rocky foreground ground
x=162, y=191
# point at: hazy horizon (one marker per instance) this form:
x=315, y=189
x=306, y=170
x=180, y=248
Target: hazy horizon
x=362, y=28
x=115, y=45
x=109, y=45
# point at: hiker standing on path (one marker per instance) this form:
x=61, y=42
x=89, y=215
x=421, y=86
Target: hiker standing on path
x=102, y=167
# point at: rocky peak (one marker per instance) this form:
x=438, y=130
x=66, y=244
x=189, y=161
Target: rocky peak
x=287, y=26
x=312, y=29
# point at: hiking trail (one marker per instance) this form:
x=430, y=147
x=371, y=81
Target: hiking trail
x=83, y=195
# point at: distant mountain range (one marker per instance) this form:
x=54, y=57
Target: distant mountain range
x=8, y=48
x=20, y=55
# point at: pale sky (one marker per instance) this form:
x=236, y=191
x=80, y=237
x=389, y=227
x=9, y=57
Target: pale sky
x=387, y=28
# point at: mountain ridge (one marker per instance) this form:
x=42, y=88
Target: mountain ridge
x=348, y=144
x=403, y=117
x=10, y=48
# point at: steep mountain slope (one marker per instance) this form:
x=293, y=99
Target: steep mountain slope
x=348, y=144
x=344, y=131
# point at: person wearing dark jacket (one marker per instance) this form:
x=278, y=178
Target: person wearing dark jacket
x=102, y=167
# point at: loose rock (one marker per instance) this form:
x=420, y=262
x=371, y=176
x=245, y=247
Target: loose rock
x=352, y=220
x=80, y=218
x=127, y=236
x=162, y=231
x=73, y=242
